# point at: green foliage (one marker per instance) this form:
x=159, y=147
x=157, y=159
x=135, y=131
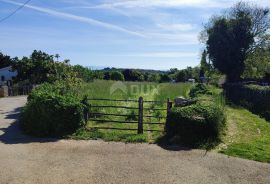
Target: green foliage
x=154, y=77
x=40, y=67
x=257, y=64
x=83, y=73
x=181, y=76
x=227, y=45
x=52, y=110
x=199, y=89
x=165, y=78
x=6, y=61
x=196, y=125
x=132, y=116
x=188, y=73
x=255, y=98
x=117, y=76
x=132, y=90
x=199, y=124
x=231, y=37
x=204, y=66
x=215, y=78
x=133, y=75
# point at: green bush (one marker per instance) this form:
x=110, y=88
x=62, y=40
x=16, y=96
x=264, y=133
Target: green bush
x=52, y=110
x=118, y=76
x=254, y=97
x=196, y=124
x=199, y=89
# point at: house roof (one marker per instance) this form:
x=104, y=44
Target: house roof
x=5, y=68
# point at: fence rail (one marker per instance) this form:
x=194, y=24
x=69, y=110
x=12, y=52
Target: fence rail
x=111, y=106
x=22, y=90
x=95, y=116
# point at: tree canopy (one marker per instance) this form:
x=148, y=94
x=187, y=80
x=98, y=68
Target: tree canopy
x=6, y=61
x=231, y=37
x=40, y=67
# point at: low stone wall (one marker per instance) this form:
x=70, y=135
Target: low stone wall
x=3, y=91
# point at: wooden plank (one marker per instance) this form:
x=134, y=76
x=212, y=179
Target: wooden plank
x=161, y=117
x=111, y=128
x=113, y=100
x=140, y=119
x=153, y=123
x=151, y=130
x=124, y=129
x=155, y=109
x=108, y=114
x=109, y=106
x=113, y=121
x=154, y=101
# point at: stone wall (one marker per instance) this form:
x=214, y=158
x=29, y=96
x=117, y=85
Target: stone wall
x=3, y=91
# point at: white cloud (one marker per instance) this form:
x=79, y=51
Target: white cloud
x=77, y=18
x=176, y=3
x=169, y=3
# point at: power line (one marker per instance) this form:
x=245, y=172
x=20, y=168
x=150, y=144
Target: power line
x=15, y=11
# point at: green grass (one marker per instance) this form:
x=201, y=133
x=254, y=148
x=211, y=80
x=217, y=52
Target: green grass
x=132, y=90
x=248, y=136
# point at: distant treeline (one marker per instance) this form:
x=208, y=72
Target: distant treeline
x=41, y=67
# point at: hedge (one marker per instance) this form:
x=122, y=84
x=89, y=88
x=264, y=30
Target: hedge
x=196, y=123
x=199, y=89
x=52, y=110
x=253, y=97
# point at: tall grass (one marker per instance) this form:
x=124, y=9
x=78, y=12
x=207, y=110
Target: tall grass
x=129, y=90
x=172, y=90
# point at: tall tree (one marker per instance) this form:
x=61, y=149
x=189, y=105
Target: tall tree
x=57, y=56
x=204, y=66
x=118, y=76
x=6, y=60
x=40, y=67
x=232, y=36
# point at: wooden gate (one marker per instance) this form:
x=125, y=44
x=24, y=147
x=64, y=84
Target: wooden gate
x=146, y=112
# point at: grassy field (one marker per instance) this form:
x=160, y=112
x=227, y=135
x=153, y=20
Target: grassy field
x=131, y=91
x=247, y=135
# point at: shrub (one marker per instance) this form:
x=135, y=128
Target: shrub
x=199, y=89
x=254, y=97
x=52, y=110
x=196, y=124
x=118, y=76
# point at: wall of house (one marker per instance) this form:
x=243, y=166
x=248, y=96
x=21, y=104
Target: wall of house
x=7, y=74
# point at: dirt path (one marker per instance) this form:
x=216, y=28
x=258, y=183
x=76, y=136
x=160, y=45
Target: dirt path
x=27, y=160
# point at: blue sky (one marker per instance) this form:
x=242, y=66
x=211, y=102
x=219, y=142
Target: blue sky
x=150, y=34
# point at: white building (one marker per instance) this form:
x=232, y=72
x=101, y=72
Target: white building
x=6, y=74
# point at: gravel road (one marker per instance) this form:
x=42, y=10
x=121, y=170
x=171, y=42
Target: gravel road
x=28, y=160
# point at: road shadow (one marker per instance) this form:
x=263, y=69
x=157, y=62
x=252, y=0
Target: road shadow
x=13, y=133
x=165, y=143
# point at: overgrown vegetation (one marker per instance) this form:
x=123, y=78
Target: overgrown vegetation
x=253, y=97
x=52, y=110
x=132, y=90
x=199, y=124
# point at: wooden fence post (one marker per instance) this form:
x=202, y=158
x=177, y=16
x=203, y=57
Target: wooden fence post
x=140, y=119
x=169, y=105
x=86, y=109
